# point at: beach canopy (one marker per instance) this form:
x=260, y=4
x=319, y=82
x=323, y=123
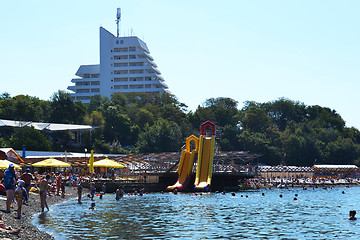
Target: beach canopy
x=51, y=162
x=108, y=163
x=44, y=126
x=5, y=164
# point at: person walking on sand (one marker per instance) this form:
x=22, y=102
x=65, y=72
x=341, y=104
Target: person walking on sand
x=27, y=177
x=9, y=183
x=43, y=192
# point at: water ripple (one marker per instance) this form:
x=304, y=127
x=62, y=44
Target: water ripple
x=317, y=214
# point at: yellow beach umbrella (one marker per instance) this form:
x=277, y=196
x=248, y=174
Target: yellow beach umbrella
x=5, y=164
x=108, y=163
x=51, y=162
x=91, y=162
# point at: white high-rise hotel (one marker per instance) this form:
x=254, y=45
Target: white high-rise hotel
x=125, y=66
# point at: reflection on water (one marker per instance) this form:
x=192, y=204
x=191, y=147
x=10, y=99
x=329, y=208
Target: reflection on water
x=43, y=218
x=317, y=214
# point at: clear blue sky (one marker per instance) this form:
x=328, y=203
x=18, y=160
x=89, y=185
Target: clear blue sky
x=305, y=50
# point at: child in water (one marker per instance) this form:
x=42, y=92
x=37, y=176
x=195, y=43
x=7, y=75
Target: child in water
x=20, y=195
x=92, y=207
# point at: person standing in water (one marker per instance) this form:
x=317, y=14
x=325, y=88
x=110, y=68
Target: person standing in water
x=44, y=185
x=79, y=192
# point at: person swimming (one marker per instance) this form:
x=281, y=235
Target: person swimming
x=352, y=214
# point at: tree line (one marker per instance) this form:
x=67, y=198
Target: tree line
x=283, y=131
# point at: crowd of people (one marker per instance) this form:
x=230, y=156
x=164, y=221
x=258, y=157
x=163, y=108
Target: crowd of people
x=17, y=186
x=278, y=182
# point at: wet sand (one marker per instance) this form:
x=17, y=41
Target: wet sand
x=28, y=230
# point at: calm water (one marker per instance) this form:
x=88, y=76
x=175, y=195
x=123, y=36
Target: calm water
x=318, y=214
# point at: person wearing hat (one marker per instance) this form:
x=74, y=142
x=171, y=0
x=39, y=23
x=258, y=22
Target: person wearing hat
x=9, y=184
x=27, y=177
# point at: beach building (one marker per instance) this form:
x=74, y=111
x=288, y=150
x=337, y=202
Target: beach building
x=285, y=172
x=341, y=171
x=125, y=66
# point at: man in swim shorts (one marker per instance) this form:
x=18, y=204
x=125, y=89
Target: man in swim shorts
x=43, y=192
x=27, y=177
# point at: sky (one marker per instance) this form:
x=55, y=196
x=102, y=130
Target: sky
x=260, y=50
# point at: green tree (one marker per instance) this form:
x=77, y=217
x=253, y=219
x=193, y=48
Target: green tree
x=144, y=117
x=24, y=108
x=229, y=140
x=342, y=151
x=163, y=136
x=225, y=110
x=118, y=127
x=98, y=103
x=284, y=110
x=65, y=110
x=31, y=138
x=256, y=120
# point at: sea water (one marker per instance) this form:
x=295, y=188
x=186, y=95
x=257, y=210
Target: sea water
x=317, y=214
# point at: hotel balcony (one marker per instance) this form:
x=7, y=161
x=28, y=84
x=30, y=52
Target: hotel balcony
x=129, y=75
x=162, y=84
x=152, y=89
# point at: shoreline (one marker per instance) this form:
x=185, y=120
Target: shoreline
x=28, y=229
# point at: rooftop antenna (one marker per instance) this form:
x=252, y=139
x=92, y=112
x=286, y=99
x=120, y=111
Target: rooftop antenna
x=118, y=17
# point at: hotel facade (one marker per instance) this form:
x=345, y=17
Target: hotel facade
x=125, y=66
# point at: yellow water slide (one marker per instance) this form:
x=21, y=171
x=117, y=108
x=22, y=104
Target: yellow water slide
x=204, y=167
x=185, y=165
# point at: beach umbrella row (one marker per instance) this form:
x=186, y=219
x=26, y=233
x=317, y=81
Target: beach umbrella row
x=52, y=162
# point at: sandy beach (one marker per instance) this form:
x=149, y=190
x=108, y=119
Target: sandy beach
x=28, y=230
